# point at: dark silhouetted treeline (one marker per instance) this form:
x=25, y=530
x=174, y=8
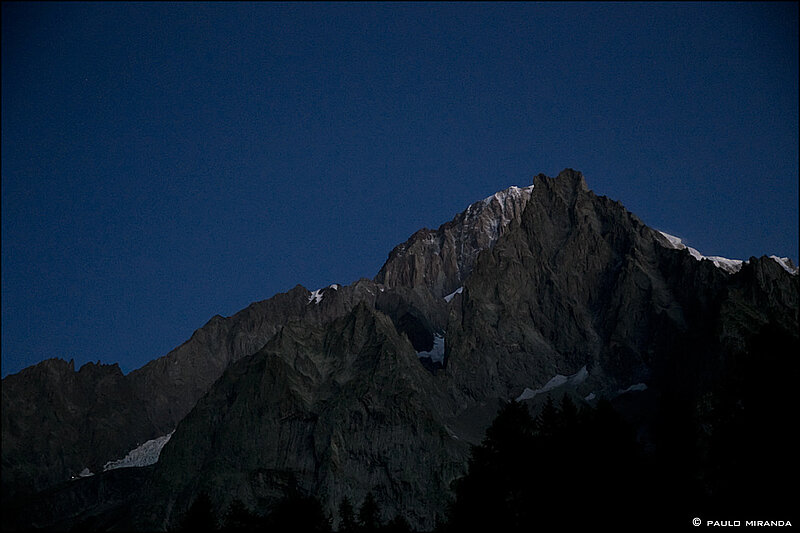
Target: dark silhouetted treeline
x=567, y=468
x=296, y=512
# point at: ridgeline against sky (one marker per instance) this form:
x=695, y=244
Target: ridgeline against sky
x=163, y=163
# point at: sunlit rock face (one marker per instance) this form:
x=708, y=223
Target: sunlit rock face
x=442, y=259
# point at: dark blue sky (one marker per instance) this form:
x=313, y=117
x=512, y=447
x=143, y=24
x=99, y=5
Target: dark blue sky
x=162, y=163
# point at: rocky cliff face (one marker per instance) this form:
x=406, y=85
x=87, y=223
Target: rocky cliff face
x=343, y=409
x=584, y=283
x=442, y=259
x=59, y=423
x=545, y=289
x=170, y=386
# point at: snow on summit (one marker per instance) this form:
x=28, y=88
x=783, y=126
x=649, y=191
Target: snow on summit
x=511, y=191
x=786, y=263
x=316, y=296
x=502, y=201
x=728, y=265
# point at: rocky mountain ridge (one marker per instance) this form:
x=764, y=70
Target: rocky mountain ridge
x=167, y=388
x=326, y=387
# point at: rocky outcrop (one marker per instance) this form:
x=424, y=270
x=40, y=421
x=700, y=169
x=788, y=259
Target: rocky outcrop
x=58, y=423
x=170, y=386
x=442, y=259
x=342, y=409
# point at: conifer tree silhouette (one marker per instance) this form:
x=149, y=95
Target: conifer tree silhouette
x=347, y=519
x=369, y=514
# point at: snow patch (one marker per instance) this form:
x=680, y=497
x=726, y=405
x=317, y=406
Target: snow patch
x=436, y=353
x=556, y=381
x=143, y=455
x=786, y=263
x=728, y=265
x=316, y=296
x=511, y=191
x=579, y=376
x=492, y=226
x=453, y=294
x=502, y=197
x=639, y=387
x=673, y=240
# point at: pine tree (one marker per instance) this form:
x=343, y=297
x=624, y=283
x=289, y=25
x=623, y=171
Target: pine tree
x=369, y=514
x=569, y=412
x=496, y=494
x=347, y=519
x=296, y=512
x=549, y=420
x=518, y=477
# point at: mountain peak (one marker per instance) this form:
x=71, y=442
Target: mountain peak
x=442, y=259
x=567, y=184
x=572, y=177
